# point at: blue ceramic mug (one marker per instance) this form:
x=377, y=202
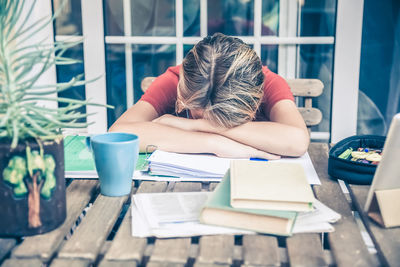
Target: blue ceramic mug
x=115, y=156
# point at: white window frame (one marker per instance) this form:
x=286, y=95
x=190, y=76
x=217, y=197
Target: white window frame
x=346, y=69
x=346, y=60
x=42, y=9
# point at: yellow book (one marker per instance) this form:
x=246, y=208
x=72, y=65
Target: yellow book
x=270, y=186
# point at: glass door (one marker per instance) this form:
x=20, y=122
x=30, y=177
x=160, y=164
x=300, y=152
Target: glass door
x=379, y=94
x=140, y=38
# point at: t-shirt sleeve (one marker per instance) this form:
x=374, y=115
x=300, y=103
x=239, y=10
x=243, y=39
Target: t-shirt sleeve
x=275, y=90
x=161, y=94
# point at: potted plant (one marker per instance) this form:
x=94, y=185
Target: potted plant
x=32, y=185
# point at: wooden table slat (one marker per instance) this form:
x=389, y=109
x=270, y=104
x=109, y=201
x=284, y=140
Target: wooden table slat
x=106, y=263
x=197, y=264
x=152, y=187
x=22, y=263
x=70, y=262
x=346, y=243
x=90, y=235
x=260, y=250
x=171, y=250
x=79, y=192
x=174, y=250
x=6, y=244
x=305, y=250
x=386, y=241
x=216, y=249
x=124, y=246
x=187, y=187
x=164, y=264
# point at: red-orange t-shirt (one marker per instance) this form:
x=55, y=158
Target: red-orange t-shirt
x=162, y=93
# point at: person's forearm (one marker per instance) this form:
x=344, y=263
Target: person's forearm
x=167, y=138
x=271, y=137
x=173, y=139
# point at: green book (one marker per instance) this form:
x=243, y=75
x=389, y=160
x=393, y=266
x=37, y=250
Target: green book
x=218, y=211
x=78, y=158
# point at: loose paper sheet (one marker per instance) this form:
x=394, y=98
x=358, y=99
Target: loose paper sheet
x=172, y=215
x=317, y=220
x=176, y=215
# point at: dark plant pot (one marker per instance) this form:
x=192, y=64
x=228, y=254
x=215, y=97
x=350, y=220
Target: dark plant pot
x=31, y=202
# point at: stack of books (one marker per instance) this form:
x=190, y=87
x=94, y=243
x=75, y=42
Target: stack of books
x=264, y=197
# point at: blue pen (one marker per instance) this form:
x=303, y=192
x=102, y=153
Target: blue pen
x=258, y=159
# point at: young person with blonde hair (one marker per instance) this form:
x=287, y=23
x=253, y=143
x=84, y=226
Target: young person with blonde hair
x=221, y=100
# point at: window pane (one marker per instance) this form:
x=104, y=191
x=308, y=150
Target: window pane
x=113, y=18
x=191, y=18
x=153, y=17
x=231, y=17
x=270, y=17
x=148, y=18
x=318, y=18
x=70, y=19
x=269, y=57
x=66, y=72
x=116, y=81
x=186, y=49
x=150, y=60
x=147, y=60
x=316, y=61
x=379, y=94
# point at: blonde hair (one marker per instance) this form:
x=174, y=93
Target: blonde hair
x=222, y=76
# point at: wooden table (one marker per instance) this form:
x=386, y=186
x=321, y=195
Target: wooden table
x=103, y=237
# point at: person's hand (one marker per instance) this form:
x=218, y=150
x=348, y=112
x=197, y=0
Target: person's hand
x=176, y=122
x=228, y=148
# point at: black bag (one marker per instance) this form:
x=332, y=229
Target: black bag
x=351, y=171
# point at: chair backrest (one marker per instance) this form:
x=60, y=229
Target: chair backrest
x=303, y=89
x=307, y=89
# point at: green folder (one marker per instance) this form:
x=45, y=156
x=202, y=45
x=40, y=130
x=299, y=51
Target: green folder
x=79, y=158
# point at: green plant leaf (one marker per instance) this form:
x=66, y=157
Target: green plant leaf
x=22, y=63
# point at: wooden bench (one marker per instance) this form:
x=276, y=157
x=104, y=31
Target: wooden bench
x=303, y=89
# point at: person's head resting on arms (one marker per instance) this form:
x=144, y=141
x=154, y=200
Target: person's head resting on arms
x=234, y=112
x=221, y=80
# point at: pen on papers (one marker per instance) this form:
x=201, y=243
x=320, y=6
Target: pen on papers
x=258, y=159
